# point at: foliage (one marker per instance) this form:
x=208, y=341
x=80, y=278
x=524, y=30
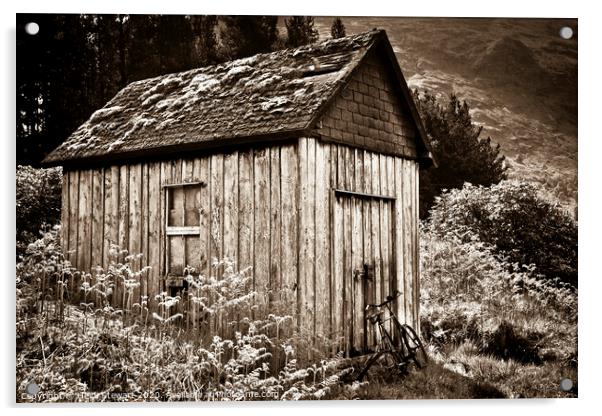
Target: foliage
x=490, y=333
x=38, y=202
x=243, y=36
x=337, y=29
x=462, y=155
x=433, y=382
x=514, y=218
x=47, y=88
x=98, y=352
x=42, y=272
x=470, y=297
x=206, y=44
x=300, y=30
x=104, y=52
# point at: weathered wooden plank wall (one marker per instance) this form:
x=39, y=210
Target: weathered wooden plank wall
x=155, y=218
x=335, y=238
x=240, y=217
x=271, y=209
x=289, y=246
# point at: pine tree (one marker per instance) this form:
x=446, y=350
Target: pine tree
x=204, y=29
x=54, y=82
x=337, y=30
x=108, y=43
x=175, y=43
x=462, y=155
x=76, y=63
x=122, y=30
x=247, y=35
x=300, y=31
x=142, y=58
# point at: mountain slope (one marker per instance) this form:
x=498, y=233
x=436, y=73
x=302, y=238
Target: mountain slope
x=518, y=75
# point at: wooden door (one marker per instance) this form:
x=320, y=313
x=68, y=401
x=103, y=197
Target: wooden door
x=364, y=265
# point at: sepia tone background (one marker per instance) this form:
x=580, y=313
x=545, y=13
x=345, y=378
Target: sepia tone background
x=518, y=76
x=498, y=259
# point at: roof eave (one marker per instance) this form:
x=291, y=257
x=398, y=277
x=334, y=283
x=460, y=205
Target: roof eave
x=176, y=150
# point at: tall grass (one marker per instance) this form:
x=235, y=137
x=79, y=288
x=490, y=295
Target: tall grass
x=97, y=352
x=495, y=321
x=492, y=327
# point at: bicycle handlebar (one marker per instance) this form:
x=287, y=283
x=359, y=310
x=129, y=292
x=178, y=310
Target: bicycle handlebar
x=390, y=298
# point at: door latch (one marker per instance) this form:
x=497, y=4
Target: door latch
x=363, y=273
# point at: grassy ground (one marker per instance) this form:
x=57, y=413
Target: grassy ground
x=471, y=376
x=503, y=336
x=432, y=382
x=460, y=373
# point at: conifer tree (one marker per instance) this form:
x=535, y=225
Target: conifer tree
x=175, y=43
x=247, y=35
x=76, y=63
x=462, y=155
x=204, y=29
x=337, y=30
x=300, y=30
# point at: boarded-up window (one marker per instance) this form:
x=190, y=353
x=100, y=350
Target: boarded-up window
x=183, y=231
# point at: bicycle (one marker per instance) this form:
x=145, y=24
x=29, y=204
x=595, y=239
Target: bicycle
x=404, y=348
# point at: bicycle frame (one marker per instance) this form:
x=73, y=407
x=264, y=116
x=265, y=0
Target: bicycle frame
x=387, y=305
x=403, y=352
x=385, y=335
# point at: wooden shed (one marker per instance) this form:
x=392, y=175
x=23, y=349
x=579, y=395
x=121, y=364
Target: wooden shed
x=301, y=163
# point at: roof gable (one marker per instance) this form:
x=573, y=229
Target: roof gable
x=279, y=94
x=370, y=113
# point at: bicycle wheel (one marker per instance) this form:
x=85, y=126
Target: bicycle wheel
x=381, y=365
x=414, y=345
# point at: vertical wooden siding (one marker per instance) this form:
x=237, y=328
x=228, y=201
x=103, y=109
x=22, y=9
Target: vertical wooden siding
x=323, y=307
x=270, y=209
x=242, y=202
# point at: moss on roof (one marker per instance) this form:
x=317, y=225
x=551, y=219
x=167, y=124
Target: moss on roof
x=277, y=93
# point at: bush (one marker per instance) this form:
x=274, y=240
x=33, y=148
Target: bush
x=517, y=221
x=98, y=352
x=507, y=342
x=468, y=293
x=485, y=315
x=38, y=198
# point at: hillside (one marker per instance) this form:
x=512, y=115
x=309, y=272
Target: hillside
x=518, y=75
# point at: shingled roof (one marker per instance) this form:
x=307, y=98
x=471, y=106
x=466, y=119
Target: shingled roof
x=275, y=95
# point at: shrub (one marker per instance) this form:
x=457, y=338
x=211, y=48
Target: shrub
x=469, y=293
x=517, y=221
x=38, y=198
x=115, y=354
x=507, y=342
x=42, y=274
